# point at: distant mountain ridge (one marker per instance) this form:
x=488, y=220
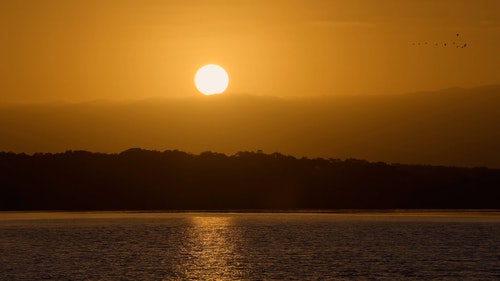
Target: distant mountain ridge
x=456, y=126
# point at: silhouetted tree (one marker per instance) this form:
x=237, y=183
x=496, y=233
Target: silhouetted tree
x=138, y=179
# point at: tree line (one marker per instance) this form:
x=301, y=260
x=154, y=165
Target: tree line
x=138, y=179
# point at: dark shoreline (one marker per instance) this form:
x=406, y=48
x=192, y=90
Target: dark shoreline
x=346, y=211
x=145, y=180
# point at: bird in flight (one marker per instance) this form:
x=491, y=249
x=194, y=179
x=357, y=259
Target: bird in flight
x=456, y=43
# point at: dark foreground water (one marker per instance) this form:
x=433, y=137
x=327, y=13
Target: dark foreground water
x=228, y=246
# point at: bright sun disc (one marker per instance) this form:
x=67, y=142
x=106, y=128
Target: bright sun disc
x=211, y=79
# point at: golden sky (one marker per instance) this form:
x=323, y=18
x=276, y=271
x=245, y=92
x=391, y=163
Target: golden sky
x=79, y=50
x=306, y=78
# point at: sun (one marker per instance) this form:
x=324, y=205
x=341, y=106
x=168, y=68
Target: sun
x=211, y=79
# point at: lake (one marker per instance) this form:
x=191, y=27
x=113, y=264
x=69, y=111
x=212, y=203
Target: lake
x=250, y=246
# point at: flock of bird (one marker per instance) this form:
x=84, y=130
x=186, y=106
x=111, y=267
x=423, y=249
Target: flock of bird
x=458, y=45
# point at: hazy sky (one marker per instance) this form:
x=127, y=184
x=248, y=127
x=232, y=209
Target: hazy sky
x=307, y=78
x=79, y=50
x=451, y=127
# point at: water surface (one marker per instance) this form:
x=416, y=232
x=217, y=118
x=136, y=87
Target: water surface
x=249, y=246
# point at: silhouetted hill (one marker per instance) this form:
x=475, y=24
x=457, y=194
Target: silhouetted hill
x=457, y=127
x=138, y=179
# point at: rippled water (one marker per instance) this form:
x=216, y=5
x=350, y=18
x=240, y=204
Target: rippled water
x=238, y=246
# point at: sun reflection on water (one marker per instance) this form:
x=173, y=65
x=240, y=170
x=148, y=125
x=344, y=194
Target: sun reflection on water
x=208, y=250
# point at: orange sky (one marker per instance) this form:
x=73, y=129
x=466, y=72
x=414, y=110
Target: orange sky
x=307, y=78
x=79, y=50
